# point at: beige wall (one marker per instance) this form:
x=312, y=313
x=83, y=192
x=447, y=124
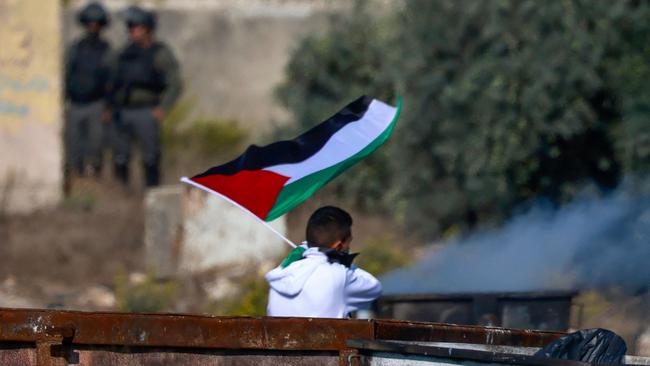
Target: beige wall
x=30, y=108
x=232, y=52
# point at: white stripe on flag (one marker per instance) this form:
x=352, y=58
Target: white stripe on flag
x=345, y=143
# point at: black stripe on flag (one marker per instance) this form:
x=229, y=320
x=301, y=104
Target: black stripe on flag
x=296, y=150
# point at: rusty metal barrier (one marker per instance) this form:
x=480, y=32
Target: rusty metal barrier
x=54, y=336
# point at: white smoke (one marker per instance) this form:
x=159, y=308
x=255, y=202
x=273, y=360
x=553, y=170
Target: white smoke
x=588, y=243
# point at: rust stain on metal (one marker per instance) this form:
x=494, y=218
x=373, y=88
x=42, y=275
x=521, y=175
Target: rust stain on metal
x=158, y=357
x=436, y=332
x=349, y=357
x=169, y=330
x=96, y=338
x=19, y=356
x=44, y=355
x=193, y=331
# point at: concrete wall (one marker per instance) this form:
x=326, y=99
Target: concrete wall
x=232, y=53
x=30, y=108
x=190, y=231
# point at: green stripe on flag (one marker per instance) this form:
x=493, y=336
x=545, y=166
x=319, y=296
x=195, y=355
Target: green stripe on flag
x=295, y=193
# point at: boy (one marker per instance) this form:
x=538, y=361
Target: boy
x=322, y=282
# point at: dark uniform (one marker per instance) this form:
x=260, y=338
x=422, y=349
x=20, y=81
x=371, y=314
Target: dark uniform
x=87, y=80
x=145, y=79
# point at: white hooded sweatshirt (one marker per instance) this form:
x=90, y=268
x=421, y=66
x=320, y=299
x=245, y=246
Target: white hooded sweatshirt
x=314, y=287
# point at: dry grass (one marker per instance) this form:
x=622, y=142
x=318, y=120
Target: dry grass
x=623, y=312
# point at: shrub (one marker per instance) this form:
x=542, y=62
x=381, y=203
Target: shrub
x=147, y=295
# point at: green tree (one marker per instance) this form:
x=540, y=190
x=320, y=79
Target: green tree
x=505, y=102
x=626, y=29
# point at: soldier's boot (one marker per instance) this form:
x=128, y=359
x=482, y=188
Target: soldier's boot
x=97, y=169
x=121, y=172
x=70, y=174
x=152, y=175
x=67, y=182
x=94, y=165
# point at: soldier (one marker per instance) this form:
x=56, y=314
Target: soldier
x=147, y=83
x=87, y=78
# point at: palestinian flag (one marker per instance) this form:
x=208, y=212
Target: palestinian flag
x=271, y=180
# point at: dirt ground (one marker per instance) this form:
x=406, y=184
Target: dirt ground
x=51, y=255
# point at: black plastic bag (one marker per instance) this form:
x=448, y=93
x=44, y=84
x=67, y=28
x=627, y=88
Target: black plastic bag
x=588, y=345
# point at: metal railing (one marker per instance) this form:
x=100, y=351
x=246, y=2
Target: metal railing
x=60, y=337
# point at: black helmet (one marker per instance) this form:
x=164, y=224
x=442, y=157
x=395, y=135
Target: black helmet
x=93, y=12
x=138, y=16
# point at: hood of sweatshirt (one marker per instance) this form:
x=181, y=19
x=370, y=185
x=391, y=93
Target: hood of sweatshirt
x=289, y=281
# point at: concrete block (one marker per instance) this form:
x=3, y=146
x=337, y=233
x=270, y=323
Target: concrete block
x=163, y=230
x=190, y=231
x=216, y=233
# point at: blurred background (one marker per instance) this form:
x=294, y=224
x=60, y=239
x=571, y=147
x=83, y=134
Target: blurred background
x=513, y=191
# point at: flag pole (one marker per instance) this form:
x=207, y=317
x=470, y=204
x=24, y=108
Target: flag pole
x=284, y=238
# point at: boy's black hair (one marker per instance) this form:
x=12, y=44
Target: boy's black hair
x=327, y=225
